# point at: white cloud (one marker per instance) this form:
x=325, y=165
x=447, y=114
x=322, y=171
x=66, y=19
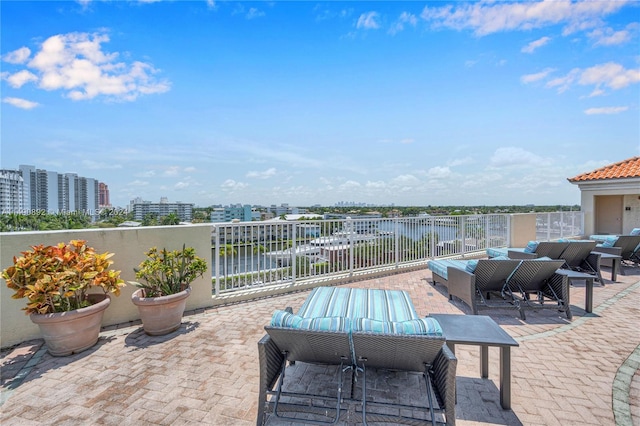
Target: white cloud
x=138, y=183
x=231, y=185
x=612, y=75
x=254, y=13
x=514, y=156
x=461, y=161
x=18, y=56
x=605, y=110
x=181, y=185
x=531, y=78
x=405, y=180
x=564, y=83
x=262, y=175
x=146, y=174
x=439, y=172
x=609, y=37
x=368, y=21
x=172, y=171
x=349, y=185
x=491, y=17
x=190, y=169
x=76, y=64
x=531, y=47
x=20, y=78
x=404, y=18
x=20, y=103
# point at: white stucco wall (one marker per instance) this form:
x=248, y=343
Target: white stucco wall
x=628, y=188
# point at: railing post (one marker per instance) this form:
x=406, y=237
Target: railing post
x=216, y=254
x=349, y=228
x=294, y=244
x=463, y=227
x=396, y=236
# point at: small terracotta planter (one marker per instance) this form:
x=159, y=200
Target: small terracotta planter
x=161, y=315
x=67, y=333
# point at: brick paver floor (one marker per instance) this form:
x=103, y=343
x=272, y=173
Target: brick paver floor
x=584, y=371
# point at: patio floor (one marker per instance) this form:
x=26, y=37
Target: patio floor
x=584, y=371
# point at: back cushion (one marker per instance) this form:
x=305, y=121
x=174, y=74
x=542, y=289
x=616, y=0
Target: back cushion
x=531, y=247
x=610, y=241
x=421, y=326
x=635, y=231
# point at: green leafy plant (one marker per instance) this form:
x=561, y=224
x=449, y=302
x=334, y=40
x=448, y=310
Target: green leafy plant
x=58, y=278
x=168, y=272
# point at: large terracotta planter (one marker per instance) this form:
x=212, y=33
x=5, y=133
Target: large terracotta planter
x=161, y=315
x=67, y=333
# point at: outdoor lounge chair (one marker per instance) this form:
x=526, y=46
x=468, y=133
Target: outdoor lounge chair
x=626, y=246
x=473, y=281
x=538, y=278
x=425, y=354
x=550, y=249
x=282, y=345
x=579, y=256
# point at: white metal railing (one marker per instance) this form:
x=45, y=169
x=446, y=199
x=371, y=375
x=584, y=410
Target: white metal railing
x=260, y=254
x=555, y=225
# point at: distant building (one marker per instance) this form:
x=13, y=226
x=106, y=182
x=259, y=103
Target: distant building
x=52, y=192
x=241, y=212
x=184, y=211
x=11, y=191
x=103, y=195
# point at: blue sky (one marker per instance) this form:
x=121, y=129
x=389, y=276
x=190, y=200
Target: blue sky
x=405, y=103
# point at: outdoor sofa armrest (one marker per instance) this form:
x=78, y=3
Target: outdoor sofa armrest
x=517, y=254
x=462, y=284
x=444, y=374
x=270, y=359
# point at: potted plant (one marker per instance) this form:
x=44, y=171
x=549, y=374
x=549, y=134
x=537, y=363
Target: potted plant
x=166, y=278
x=57, y=283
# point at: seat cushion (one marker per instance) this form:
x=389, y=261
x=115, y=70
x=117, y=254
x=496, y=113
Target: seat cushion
x=383, y=305
x=440, y=266
x=497, y=251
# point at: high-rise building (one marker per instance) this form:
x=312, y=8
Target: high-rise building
x=11, y=192
x=103, y=199
x=53, y=192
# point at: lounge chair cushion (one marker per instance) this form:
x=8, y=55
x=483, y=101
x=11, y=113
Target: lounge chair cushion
x=383, y=305
x=497, y=251
x=439, y=267
x=420, y=326
x=609, y=241
x=531, y=247
x=471, y=266
x=289, y=320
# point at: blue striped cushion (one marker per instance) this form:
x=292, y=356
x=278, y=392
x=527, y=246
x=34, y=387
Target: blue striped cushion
x=289, y=320
x=419, y=326
x=383, y=305
x=285, y=319
x=495, y=251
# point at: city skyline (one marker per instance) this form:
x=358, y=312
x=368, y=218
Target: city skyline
x=305, y=103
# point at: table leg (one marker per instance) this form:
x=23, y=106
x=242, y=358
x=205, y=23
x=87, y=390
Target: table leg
x=615, y=264
x=484, y=361
x=505, y=377
x=588, y=298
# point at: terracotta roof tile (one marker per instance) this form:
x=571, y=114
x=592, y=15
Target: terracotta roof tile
x=629, y=168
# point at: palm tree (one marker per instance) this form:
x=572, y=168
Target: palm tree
x=227, y=250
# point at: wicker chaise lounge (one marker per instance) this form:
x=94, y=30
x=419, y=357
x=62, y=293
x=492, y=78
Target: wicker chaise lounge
x=468, y=279
x=538, y=278
x=430, y=356
x=626, y=246
x=534, y=250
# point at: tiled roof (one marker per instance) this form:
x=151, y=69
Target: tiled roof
x=624, y=169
